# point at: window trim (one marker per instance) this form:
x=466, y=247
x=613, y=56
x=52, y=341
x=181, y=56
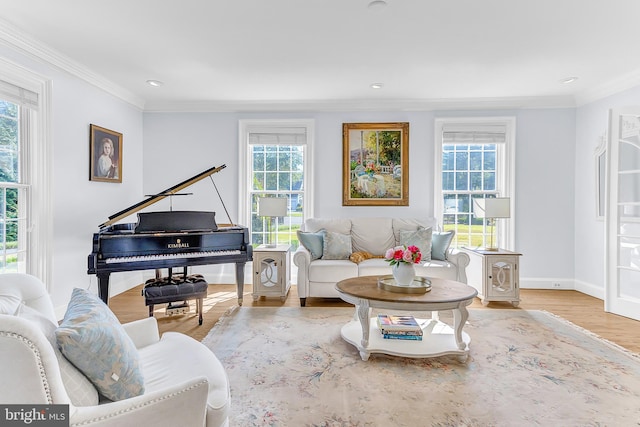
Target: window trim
x=37, y=170
x=505, y=178
x=244, y=206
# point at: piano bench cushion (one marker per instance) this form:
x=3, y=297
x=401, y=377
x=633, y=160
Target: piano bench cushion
x=93, y=339
x=175, y=292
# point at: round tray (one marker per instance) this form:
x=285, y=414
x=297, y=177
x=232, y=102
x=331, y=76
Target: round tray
x=420, y=285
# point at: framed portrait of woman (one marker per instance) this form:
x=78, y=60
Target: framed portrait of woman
x=106, y=155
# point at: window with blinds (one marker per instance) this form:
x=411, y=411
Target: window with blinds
x=277, y=159
x=474, y=164
x=16, y=107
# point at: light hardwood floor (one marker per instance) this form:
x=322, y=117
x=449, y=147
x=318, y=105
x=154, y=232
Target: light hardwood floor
x=583, y=310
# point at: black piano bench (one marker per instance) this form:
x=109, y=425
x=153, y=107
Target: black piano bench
x=176, y=288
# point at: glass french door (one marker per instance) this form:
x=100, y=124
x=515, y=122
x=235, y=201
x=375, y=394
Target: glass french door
x=622, y=214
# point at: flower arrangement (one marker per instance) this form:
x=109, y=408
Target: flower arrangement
x=403, y=254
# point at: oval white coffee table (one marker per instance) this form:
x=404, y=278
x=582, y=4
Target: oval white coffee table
x=438, y=339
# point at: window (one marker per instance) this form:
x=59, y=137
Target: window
x=474, y=160
x=14, y=195
x=25, y=184
x=277, y=157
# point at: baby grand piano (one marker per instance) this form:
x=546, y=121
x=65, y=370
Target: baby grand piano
x=167, y=240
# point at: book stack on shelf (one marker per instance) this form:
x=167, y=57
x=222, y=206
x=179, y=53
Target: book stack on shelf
x=399, y=327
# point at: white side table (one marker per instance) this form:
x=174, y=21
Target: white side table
x=494, y=274
x=271, y=271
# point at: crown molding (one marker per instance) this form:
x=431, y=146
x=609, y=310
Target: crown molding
x=361, y=105
x=17, y=39
x=622, y=83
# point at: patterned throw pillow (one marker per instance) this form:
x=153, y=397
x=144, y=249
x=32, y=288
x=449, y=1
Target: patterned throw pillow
x=93, y=339
x=336, y=245
x=420, y=238
x=440, y=241
x=312, y=242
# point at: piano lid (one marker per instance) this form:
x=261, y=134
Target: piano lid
x=157, y=197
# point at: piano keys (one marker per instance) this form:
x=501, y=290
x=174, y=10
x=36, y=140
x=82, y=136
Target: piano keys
x=167, y=240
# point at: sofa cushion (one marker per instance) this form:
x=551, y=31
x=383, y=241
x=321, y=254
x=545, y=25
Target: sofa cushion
x=420, y=238
x=374, y=267
x=335, y=245
x=439, y=269
x=177, y=357
x=440, y=242
x=332, y=271
x=313, y=242
x=337, y=225
x=373, y=235
x=93, y=339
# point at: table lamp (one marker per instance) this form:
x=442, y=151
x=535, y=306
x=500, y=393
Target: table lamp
x=272, y=207
x=492, y=208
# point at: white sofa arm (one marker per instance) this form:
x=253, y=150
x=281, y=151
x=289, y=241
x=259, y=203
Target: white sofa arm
x=183, y=404
x=461, y=260
x=143, y=332
x=302, y=259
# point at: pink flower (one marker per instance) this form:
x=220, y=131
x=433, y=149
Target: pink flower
x=403, y=254
x=389, y=254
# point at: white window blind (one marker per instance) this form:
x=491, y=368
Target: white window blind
x=18, y=95
x=482, y=134
x=265, y=135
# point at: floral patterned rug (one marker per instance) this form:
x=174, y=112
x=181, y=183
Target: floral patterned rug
x=289, y=367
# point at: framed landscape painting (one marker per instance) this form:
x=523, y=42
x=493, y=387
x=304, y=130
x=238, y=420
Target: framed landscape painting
x=105, y=155
x=375, y=170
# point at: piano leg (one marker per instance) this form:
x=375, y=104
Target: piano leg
x=103, y=287
x=240, y=280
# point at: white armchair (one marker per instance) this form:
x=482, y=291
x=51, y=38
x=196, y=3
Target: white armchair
x=185, y=384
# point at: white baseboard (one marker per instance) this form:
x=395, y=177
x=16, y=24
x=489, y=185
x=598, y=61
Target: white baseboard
x=590, y=289
x=546, y=283
x=562, y=284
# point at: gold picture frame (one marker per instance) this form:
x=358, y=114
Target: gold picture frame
x=375, y=169
x=105, y=155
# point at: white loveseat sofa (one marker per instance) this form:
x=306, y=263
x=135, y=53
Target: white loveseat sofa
x=317, y=277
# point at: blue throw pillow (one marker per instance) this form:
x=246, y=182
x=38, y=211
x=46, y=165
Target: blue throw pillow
x=312, y=242
x=440, y=242
x=91, y=337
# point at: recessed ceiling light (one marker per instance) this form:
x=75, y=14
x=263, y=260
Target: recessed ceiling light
x=568, y=80
x=377, y=4
x=155, y=83
x=376, y=85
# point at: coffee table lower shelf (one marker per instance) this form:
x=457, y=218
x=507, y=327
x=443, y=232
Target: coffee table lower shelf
x=438, y=340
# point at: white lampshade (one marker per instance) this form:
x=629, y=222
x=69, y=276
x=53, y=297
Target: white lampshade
x=272, y=206
x=499, y=207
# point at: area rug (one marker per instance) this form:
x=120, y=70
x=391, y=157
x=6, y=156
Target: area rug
x=289, y=367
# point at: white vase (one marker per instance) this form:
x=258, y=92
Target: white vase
x=403, y=273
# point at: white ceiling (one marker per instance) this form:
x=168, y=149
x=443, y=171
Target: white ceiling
x=324, y=54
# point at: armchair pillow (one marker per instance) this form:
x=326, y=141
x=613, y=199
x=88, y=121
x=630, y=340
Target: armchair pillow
x=93, y=339
x=440, y=242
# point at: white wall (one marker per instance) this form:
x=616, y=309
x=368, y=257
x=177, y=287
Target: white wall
x=544, y=172
x=591, y=124
x=80, y=205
